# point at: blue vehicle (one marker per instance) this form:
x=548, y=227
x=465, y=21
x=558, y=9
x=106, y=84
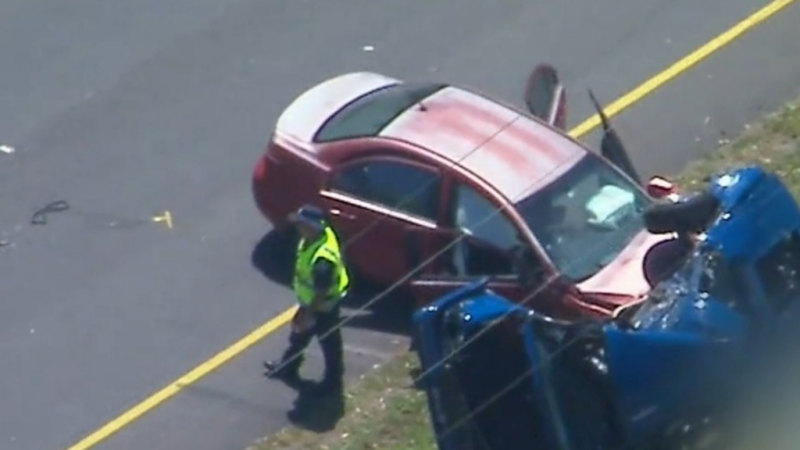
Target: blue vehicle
x=501, y=376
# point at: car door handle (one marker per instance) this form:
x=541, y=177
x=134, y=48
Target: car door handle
x=340, y=213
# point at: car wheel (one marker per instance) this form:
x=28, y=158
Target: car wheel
x=691, y=214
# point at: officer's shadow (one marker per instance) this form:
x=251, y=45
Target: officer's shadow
x=274, y=255
x=315, y=413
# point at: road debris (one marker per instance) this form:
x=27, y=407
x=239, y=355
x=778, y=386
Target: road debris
x=368, y=48
x=40, y=216
x=120, y=223
x=111, y=221
x=7, y=149
x=166, y=217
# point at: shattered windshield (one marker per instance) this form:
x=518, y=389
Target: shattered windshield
x=665, y=294
x=707, y=275
x=585, y=218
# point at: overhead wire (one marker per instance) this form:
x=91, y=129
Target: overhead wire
x=62, y=205
x=522, y=377
x=442, y=251
x=484, y=330
x=403, y=279
x=39, y=218
x=408, y=275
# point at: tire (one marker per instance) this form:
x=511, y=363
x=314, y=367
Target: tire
x=693, y=214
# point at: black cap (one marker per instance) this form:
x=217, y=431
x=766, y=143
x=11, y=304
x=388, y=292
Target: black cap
x=310, y=215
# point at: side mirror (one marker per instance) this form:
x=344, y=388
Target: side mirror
x=611, y=147
x=545, y=97
x=660, y=187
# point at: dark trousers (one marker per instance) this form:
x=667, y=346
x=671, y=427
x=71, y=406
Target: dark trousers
x=331, y=343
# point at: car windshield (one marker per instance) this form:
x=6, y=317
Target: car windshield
x=369, y=114
x=586, y=217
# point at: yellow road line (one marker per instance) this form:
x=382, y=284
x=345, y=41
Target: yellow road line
x=277, y=322
x=194, y=375
x=682, y=65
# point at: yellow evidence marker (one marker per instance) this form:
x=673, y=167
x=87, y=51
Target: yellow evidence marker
x=166, y=217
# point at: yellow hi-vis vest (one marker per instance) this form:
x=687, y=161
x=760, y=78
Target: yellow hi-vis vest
x=326, y=247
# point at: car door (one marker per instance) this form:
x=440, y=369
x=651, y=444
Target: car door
x=372, y=202
x=478, y=242
x=545, y=98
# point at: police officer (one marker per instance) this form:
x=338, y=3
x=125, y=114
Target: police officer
x=321, y=282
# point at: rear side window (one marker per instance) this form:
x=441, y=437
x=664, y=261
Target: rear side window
x=369, y=114
x=395, y=185
x=780, y=272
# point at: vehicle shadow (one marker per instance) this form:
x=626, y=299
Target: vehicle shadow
x=372, y=309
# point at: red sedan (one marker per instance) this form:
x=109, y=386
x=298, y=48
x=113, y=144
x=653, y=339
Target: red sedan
x=432, y=173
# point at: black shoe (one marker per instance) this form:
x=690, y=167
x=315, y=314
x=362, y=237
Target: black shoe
x=276, y=370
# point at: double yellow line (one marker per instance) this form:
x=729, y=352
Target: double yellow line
x=282, y=319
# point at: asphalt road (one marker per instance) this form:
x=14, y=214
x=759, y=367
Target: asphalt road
x=126, y=109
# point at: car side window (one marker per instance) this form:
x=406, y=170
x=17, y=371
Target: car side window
x=479, y=217
x=490, y=235
x=780, y=272
x=400, y=186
